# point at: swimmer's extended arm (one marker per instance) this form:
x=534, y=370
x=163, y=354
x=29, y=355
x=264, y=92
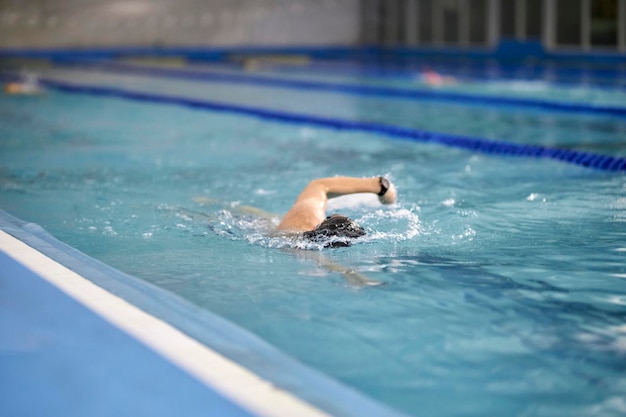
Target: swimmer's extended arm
x=309, y=210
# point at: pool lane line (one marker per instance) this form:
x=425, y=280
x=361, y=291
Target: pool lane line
x=474, y=144
x=401, y=65
x=463, y=71
x=412, y=70
x=472, y=74
x=344, y=88
x=225, y=357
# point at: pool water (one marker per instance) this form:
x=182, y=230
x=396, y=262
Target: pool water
x=581, y=130
x=503, y=278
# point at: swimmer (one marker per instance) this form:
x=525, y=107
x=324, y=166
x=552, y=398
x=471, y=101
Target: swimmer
x=307, y=216
x=28, y=86
x=435, y=79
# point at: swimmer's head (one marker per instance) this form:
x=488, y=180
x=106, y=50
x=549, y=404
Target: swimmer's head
x=335, y=231
x=12, y=88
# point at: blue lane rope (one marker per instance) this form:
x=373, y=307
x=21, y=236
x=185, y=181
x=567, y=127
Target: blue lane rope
x=407, y=94
x=494, y=147
x=565, y=63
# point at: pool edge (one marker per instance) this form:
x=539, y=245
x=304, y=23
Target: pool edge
x=218, y=373
x=30, y=245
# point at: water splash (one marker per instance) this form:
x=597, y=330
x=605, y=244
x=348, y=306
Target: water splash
x=393, y=224
x=396, y=224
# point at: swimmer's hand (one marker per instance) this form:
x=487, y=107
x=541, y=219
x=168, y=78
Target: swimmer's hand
x=390, y=196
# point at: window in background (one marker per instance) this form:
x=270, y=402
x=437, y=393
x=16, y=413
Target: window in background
x=451, y=21
x=507, y=19
x=534, y=19
x=425, y=24
x=568, y=22
x=604, y=23
x=477, y=22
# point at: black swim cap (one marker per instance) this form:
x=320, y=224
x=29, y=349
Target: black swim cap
x=335, y=231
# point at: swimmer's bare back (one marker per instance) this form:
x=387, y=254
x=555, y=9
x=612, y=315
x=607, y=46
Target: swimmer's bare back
x=309, y=209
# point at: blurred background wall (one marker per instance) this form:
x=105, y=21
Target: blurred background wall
x=575, y=24
x=80, y=23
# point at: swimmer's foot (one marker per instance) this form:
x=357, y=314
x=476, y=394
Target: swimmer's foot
x=360, y=280
x=203, y=200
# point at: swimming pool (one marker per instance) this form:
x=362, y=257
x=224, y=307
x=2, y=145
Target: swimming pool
x=503, y=267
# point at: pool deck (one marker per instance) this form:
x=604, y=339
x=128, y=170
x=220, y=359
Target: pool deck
x=70, y=348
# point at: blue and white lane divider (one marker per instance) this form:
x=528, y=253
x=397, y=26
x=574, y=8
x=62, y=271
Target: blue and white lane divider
x=346, y=88
x=480, y=145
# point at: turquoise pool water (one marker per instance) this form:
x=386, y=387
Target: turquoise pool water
x=504, y=277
